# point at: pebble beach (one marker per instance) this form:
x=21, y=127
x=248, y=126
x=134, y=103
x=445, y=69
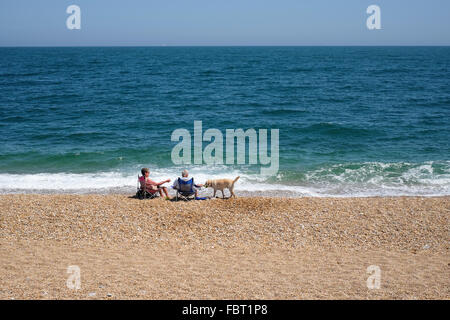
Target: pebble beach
x=244, y=248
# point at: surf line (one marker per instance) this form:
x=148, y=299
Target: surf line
x=213, y=152
x=199, y=310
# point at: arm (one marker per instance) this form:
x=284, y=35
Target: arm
x=152, y=183
x=162, y=182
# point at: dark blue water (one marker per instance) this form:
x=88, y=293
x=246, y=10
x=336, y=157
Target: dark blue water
x=352, y=120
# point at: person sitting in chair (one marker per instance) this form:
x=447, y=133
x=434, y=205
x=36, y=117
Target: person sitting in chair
x=185, y=177
x=152, y=186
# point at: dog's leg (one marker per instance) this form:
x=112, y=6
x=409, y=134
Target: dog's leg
x=223, y=194
x=214, y=195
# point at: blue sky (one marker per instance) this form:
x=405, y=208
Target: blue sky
x=223, y=22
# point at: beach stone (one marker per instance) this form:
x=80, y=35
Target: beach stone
x=100, y=228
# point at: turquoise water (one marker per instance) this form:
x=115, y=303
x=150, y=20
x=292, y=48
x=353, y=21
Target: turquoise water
x=352, y=120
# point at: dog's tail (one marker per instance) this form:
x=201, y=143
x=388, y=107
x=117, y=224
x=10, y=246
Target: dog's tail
x=237, y=178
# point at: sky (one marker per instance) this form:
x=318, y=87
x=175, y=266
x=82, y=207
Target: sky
x=223, y=23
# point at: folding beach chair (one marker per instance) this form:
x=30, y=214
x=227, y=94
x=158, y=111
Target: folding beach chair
x=185, y=190
x=143, y=191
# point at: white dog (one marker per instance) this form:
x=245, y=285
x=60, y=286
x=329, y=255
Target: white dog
x=221, y=184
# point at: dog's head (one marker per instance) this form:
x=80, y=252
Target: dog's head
x=207, y=184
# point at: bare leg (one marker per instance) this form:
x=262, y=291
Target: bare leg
x=196, y=193
x=165, y=191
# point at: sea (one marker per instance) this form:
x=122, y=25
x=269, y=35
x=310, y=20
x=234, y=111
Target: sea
x=352, y=121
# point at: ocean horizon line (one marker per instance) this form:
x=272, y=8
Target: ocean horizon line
x=230, y=46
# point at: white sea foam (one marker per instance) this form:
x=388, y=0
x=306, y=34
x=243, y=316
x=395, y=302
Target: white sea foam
x=360, y=182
